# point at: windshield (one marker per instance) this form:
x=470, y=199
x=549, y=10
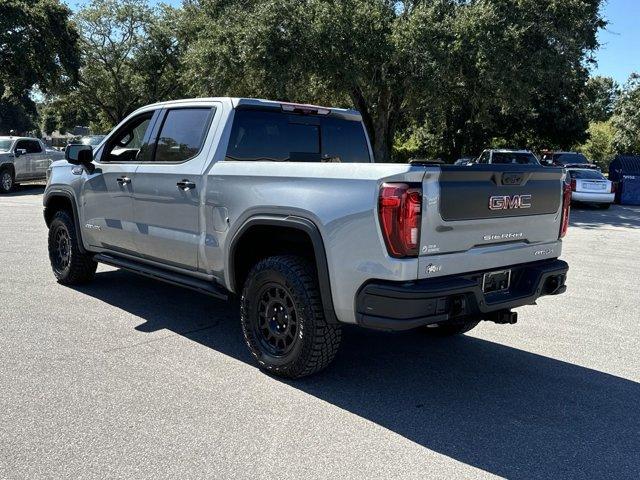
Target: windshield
x=586, y=175
x=522, y=158
x=567, y=158
x=5, y=145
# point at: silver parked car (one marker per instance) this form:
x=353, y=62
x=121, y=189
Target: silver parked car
x=591, y=186
x=24, y=159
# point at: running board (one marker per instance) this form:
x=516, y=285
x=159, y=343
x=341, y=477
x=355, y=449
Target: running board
x=202, y=286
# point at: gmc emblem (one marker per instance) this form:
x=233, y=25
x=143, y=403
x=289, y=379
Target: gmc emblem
x=506, y=202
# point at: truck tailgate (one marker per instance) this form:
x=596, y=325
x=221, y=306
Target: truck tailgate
x=493, y=214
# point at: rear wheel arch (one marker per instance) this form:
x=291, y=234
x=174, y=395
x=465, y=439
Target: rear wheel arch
x=262, y=236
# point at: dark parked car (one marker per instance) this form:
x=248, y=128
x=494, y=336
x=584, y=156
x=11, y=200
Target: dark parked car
x=567, y=160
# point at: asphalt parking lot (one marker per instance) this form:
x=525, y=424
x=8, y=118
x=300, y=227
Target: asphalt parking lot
x=131, y=378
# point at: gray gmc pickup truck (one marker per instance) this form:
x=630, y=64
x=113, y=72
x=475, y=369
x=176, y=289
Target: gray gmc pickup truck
x=283, y=205
x=24, y=159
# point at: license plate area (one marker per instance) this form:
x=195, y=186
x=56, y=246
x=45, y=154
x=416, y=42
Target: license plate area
x=595, y=186
x=496, y=281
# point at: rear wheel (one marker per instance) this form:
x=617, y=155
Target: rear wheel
x=451, y=328
x=7, y=180
x=69, y=264
x=282, y=318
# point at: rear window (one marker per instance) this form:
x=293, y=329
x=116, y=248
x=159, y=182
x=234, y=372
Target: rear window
x=567, y=158
x=586, y=175
x=261, y=135
x=514, y=157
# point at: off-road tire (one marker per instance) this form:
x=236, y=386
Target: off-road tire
x=451, y=328
x=69, y=264
x=315, y=341
x=7, y=180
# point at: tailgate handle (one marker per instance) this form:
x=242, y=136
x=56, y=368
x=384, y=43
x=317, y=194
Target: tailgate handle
x=512, y=178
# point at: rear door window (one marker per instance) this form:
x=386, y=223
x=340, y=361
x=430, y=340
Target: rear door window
x=262, y=135
x=182, y=134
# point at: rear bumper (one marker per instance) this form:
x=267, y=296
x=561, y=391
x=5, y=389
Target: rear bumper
x=593, y=197
x=406, y=305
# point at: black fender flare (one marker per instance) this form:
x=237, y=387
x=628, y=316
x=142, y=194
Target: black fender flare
x=74, y=206
x=298, y=223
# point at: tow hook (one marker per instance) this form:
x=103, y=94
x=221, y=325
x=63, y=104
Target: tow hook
x=504, y=317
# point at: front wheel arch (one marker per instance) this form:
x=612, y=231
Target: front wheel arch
x=63, y=200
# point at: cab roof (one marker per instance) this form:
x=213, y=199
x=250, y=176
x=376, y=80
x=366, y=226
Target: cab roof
x=237, y=102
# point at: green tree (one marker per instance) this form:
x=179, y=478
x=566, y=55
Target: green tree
x=130, y=58
x=50, y=121
x=38, y=48
x=599, y=148
x=626, y=118
x=601, y=94
x=450, y=73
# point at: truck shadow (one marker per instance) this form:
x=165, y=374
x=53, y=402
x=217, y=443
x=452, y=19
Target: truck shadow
x=503, y=410
x=591, y=218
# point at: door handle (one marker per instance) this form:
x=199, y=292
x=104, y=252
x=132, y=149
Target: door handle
x=123, y=181
x=186, y=185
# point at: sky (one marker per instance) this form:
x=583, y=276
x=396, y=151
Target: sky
x=619, y=53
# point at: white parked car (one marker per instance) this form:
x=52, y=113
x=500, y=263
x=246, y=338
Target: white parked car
x=591, y=186
x=24, y=159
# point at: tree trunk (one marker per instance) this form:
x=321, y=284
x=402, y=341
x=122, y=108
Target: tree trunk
x=382, y=141
x=379, y=122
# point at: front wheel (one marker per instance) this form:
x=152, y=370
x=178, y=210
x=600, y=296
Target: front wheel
x=282, y=318
x=69, y=264
x=7, y=180
x=449, y=329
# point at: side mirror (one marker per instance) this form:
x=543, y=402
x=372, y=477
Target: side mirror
x=79, y=154
x=20, y=151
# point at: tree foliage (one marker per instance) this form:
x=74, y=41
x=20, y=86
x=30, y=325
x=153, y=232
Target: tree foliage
x=601, y=94
x=38, y=48
x=599, y=147
x=442, y=78
x=130, y=58
x=626, y=118
x=452, y=73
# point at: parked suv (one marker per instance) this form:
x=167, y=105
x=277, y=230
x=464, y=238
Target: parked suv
x=282, y=205
x=23, y=159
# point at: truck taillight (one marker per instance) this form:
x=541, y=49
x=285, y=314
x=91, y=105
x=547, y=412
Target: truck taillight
x=400, y=211
x=566, y=207
x=574, y=185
